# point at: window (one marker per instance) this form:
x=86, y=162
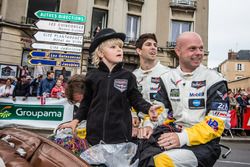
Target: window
x=179, y=27
x=99, y=18
x=35, y=5
x=133, y=28
x=239, y=67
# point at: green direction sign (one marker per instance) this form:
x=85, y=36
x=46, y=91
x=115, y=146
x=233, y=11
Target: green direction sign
x=41, y=14
x=31, y=112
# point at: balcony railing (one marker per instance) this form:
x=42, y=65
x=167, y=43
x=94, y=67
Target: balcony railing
x=183, y=4
x=170, y=45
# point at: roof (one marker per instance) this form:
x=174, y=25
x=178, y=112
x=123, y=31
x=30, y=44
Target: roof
x=243, y=55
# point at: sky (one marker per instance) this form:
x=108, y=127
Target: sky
x=229, y=28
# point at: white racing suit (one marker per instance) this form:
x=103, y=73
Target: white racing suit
x=199, y=104
x=148, y=84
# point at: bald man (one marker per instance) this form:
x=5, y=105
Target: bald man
x=197, y=97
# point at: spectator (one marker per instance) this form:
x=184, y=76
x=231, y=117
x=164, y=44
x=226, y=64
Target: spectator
x=7, y=89
x=46, y=85
x=35, y=84
x=75, y=90
x=233, y=107
x=58, y=90
x=39, y=70
x=96, y=30
x=243, y=102
x=24, y=71
x=62, y=78
x=64, y=73
x=22, y=88
x=233, y=104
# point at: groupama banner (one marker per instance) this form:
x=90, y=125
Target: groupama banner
x=30, y=113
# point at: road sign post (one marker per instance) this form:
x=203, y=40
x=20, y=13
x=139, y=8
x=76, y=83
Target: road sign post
x=37, y=53
x=43, y=62
x=60, y=26
x=41, y=14
x=70, y=64
x=64, y=56
x=57, y=47
x=55, y=23
x=59, y=38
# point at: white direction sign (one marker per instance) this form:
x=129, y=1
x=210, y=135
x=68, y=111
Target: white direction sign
x=57, y=47
x=59, y=38
x=60, y=26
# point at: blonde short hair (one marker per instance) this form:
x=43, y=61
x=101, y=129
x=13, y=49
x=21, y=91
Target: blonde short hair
x=96, y=54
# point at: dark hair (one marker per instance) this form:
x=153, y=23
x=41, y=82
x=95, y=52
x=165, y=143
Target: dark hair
x=49, y=72
x=76, y=84
x=140, y=41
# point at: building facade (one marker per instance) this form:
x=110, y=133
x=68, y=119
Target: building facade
x=236, y=69
x=166, y=18
x=237, y=66
x=240, y=84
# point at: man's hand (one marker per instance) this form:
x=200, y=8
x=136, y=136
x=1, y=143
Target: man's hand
x=153, y=114
x=169, y=141
x=135, y=121
x=145, y=132
x=135, y=131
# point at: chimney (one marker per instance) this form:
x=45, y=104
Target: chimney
x=232, y=55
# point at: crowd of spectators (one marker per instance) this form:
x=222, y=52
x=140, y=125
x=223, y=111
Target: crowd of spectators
x=27, y=86
x=238, y=105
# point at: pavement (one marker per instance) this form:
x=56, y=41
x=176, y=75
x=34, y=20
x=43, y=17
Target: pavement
x=237, y=136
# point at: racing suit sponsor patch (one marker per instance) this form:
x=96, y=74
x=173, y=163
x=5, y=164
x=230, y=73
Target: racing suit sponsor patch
x=175, y=83
x=174, y=93
x=121, y=84
x=197, y=94
x=155, y=80
x=198, y=84
x=196, y=103
x=213, y=124
x=219, y=106
x=221, y=114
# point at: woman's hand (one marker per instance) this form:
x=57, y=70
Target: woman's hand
x=73, y=124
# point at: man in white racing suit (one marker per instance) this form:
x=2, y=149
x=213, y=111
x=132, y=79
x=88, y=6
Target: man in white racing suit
x=197, y=96
x=149, y=72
